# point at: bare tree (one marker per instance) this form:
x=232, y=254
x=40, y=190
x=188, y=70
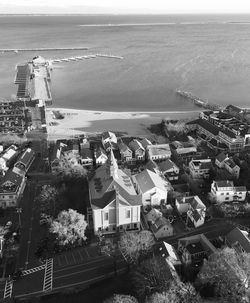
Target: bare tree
x=48, y=199
x=228, y=272
x=70, y=227
x=152, y=275
x=135, y=245
x=69, y=166
x=121, y=299
x=178, y=292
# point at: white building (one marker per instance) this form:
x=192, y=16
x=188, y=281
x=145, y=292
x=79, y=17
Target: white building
x=200, y=168
x=223, y=161
x=153, y=188
x=225, y=191
x=7, y=158
x=100, y=156
x=193, y=207
x=158, y=152
x=114, y=202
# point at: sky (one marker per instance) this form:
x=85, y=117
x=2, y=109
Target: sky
x=124, y=6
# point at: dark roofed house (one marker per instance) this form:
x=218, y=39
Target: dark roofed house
x=162, y=228
x=86, y=157
x=11, y=188
x=25, y=160
x=219, y=160
x=239, y=240
x=195, y=249
x=125, y=151
x=137, y=149
x=169, y=169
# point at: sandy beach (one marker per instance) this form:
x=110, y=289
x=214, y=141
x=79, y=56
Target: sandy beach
x=77, y=122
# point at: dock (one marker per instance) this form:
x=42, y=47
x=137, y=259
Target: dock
x=198, y=101
x=78, y=58
x=40, y=49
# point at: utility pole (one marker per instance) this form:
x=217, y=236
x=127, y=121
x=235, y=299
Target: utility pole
x=19, y=211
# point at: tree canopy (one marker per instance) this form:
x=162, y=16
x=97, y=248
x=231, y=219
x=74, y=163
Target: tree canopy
x=48, y=199
x=69, y=166
x=121, y=299
x=152, y=275
x=178, y=292
x=70, y=227
x=135, y=245
x=228, y=271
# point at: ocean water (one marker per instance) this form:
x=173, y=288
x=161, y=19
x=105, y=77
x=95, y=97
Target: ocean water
x=206, y=55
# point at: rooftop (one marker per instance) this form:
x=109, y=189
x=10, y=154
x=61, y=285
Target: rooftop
x=159, y=150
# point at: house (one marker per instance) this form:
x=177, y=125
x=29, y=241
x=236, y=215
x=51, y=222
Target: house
x=220, y=159
x=109, y=140
x=232, y=167
x=86, y=157
x=153, y=188
x=223, y=161
x=200, y=168
x=168, y=252
x=197, y=211
x=239, y=240
x=25, y=160
x=193, y=207
x=162, y=228
x=100, y=156
x=195, y=249
x=8, y=158
x=225, y=191
x=11, y=188
x=183, y=151
x=158, y=152
x=151, y=165
x=137, y=149
x=145, y=143
x=114, y=202
x=57, y=154
x=125, y=151
x=169, y=169
x=153, y=215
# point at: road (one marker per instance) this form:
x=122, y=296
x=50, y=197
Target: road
x=82, y=275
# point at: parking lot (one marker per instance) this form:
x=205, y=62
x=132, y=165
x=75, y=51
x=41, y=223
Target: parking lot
x=76, y=256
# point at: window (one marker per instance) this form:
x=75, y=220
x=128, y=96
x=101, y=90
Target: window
x=227, y=198
x=106, y=216
x=127, y=214
x=135, y=225
x=222, y=194
x=227, y=193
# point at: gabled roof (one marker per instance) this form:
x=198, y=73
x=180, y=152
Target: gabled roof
x=167, y=165
x=147, y=180
x=159, y=223
x=151, y=165
x=237, y=235
x=124, y=148
x=100, y=152
x=11, y=181
x=26, y=157
x=228, y=133
x=145, y=142
x=209, y=127
x=230, y=162
x=107, y=135
x=105, y=200
x=86, y=153
x=135, y=145
x=221, y=157
x=196, y=215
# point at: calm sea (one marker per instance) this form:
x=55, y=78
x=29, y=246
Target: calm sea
x=206, y=55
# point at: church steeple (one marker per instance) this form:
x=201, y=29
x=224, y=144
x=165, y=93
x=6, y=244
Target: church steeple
x=112, y=165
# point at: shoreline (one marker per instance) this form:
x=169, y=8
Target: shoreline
x=80, y=122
